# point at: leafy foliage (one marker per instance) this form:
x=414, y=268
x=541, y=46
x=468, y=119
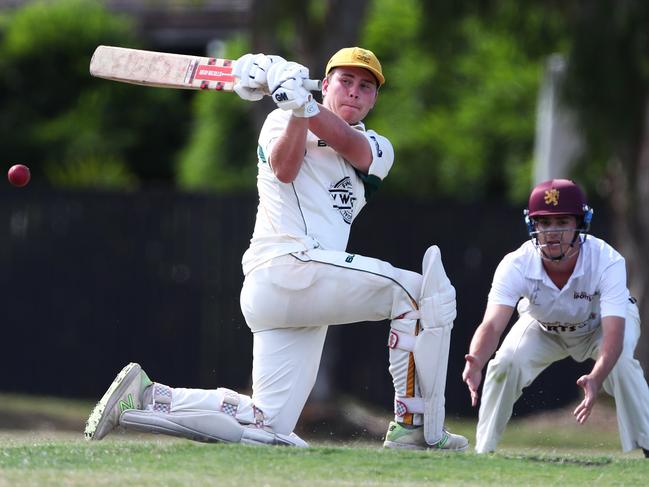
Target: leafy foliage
x=459, y=104
x=608, y=84
x=56, y=115
x=220, y=154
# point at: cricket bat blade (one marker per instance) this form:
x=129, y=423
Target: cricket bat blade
x=167, y=70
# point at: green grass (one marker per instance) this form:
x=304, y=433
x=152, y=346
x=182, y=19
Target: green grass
x=160, y=462
x=545, y=450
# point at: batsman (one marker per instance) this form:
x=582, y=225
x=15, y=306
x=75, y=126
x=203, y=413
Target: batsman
x=317, y=166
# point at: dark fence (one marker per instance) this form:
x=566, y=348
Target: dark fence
x=90, y=281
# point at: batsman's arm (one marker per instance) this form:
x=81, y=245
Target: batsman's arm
x=288, y=150
x=344, y=139
x=483, y=345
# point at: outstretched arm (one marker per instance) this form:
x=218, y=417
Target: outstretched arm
x=609, y=352
x=483, y=345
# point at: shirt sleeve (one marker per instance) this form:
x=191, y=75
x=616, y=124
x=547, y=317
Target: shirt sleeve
x=382, y=154
x=273, y=127
x=508, y=284
x=614, y=294
x=382, y=159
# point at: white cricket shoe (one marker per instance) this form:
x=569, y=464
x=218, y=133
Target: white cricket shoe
x=124, y=393
x=399, y=436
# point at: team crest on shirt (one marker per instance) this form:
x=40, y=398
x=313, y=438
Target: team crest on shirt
x=342, y=194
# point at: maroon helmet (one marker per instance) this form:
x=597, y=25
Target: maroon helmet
x=557, y=197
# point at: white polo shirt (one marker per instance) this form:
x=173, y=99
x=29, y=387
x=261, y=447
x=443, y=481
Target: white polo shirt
x=596, y=288
x=317, y=209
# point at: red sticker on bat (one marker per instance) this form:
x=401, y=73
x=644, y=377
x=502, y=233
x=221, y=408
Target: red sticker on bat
x=215, y=73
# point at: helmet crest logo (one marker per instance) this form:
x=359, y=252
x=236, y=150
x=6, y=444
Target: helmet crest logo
x=552, y=197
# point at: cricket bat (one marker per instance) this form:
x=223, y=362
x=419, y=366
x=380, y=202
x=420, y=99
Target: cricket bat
x=167, y=70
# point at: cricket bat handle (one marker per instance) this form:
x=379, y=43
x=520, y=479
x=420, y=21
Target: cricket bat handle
x=312, y=84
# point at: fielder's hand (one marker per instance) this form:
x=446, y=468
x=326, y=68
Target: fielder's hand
x=472, y=375
x=591, y=388
x=251, y=71
x=285, y=84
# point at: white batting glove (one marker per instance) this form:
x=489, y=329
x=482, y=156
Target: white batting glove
x=291, y=95
x=251, y=71
x=285, y=84
x=249, y=94
x=309, y=109
x=280, y=72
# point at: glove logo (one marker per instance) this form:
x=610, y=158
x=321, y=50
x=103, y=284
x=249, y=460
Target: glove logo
x=281, y=96
x=342, y=194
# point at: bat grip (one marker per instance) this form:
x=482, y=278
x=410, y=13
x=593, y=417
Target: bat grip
x=312, y=84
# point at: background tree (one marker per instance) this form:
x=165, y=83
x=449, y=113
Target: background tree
x=460, y=100
x=608, y=85
x=221, y=151
x=75, y=129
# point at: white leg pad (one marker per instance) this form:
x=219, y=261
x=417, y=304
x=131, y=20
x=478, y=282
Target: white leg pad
x=438, y=310
x=205, y=426
x=431, y=360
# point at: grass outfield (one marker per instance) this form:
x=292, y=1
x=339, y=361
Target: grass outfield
x=543, y=450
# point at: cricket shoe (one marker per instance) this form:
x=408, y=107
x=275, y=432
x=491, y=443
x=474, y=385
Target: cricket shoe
x=124, y=393
x=399, y=436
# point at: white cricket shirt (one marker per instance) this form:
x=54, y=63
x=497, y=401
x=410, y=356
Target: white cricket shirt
x=317, y=209
x=596, y=288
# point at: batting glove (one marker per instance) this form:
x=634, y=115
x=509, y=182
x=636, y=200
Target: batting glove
x=251, y=71
x=285, y=84
x=280, y=72
x=309, y=109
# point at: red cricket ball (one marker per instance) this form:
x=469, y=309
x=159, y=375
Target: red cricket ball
x=19, y=175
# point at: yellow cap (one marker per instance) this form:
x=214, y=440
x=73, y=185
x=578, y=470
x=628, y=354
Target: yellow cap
x=358, y=57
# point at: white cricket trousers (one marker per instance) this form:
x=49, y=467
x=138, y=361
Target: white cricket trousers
x=288, y=304
x=527, y=350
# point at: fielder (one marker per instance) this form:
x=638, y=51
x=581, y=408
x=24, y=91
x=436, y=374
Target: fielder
x=575, y=302
x=317, y=165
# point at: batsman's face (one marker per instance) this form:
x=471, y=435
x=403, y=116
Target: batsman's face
x=555, y=233
x=350, y=92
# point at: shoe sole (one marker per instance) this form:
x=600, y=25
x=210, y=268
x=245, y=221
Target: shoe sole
x=110, y=399
x=401, y=446
x=405, y=446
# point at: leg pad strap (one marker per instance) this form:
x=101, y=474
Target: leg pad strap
x=161, y=398
x=401, y=340
x=408, y=405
